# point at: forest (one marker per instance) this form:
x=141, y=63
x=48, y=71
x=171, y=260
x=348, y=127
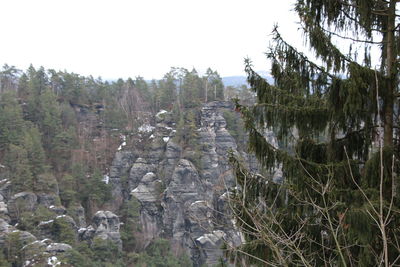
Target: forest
x=59, y=133
x=301, y=169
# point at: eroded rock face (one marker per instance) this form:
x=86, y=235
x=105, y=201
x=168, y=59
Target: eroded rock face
x=106, y=226
x=179, y=201
x=78, y=213
x=47, y=200
x=121, y=164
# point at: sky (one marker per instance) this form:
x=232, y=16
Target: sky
x=129, y=38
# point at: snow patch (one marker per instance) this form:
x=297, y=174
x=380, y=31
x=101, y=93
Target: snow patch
x=135, y=190
x=45, y=222
x=146, y=128
x=198, y=201
x=161, y=112
x=61, y=216
x=202, y=239
x=166, y=139
x=121, y=146
x=53, y=261
x=106, y=178
x=151, y=136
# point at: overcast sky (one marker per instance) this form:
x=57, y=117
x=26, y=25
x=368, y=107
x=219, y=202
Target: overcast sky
x=127, y=38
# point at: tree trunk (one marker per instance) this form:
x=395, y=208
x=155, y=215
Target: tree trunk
x=391, y=75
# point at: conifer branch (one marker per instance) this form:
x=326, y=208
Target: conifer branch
x=350, y=38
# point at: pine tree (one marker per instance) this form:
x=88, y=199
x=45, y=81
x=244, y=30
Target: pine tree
x=12, y=124
x=167, y=94
x=338, y=204
x=17, y=163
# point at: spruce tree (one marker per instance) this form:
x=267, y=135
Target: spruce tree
x=337, y=123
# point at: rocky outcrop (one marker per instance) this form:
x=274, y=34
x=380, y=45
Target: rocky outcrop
x=40, y=249
x=78, y=213
x=182, y=200
x=119, y=169
x=105, y=225
x=44, y=253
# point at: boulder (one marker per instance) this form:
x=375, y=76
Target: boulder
x=55, y=248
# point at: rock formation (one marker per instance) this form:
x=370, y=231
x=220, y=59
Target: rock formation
x=180, y=201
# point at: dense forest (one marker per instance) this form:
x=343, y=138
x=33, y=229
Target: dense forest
x=59, y=132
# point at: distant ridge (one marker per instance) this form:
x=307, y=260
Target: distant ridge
x=242, y=80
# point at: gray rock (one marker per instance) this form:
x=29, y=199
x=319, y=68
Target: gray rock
x=55, y=248
x=47, y=200
x=3, y=208
x=139, y=169
x=24, y=237
x=106, y=225
x=21, y=202
x=188, y=209
x=5, y=188
x=78, y=213
x=86, y=234
x=120, y=166
x=58, y=210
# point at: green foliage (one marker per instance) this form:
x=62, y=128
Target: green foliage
x=105, y=251
x=214, y=86
x=3, y=261
x=115, y=118
x=330, y=117
x=68, y=192
x=167, y=91
x=74, y=257
x=63, y=143
x=191, y=92
x=16, y=160
x=63, y=231
x=35, y=152
x=13, y=249
x=99, y=190
x=159, y=254
x=130, y=212
x=28, y=221
x=235, y=126
x=12, y=124
x=187, y=135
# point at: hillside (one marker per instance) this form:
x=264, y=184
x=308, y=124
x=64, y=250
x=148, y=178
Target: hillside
x=94, y=172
